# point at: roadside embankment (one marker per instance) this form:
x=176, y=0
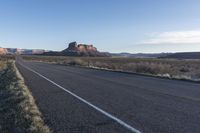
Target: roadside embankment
x=18, y=111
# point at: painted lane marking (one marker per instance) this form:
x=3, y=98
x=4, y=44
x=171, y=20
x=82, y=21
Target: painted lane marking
x=122, y=123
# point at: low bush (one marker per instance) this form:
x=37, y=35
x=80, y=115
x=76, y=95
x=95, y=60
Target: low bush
x=171, y=68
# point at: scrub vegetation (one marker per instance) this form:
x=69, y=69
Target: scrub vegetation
x=169, y=68
x=18, y=111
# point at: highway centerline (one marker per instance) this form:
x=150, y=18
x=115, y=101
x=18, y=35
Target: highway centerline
x=122, y=123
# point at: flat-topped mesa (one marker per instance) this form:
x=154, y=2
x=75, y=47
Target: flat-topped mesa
x=74, y=47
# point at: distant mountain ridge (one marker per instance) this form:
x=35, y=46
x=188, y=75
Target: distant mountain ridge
x=85, y=50
x=181, y=55
x=184, y=55
x=141, y=55
x=20, y=51
x=3, y=51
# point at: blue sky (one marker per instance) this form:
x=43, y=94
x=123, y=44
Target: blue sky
x=111, y=25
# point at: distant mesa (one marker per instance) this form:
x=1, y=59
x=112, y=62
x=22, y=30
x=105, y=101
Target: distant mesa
x=141, y=55
x=81, y=50
x=183, y=55
x=3, y=51
x=11, y=51
x=75, y=49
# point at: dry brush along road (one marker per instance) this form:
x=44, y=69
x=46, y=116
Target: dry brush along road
x=74, y=99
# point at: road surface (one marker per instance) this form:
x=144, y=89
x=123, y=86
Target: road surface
x=133, y=103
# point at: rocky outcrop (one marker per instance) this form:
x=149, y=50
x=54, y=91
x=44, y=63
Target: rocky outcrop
x=75, y=49
x=3, y=51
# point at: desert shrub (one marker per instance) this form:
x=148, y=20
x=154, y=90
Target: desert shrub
x=161, y=67
x=145, y=67
x=75, y=62
x=184, y=69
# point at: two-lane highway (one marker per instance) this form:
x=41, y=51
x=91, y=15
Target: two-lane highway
x=136, y=103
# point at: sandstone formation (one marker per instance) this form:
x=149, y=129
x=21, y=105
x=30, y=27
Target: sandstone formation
x=73, y=46
x=81, y=50
x=75, y=49
x=3, y=51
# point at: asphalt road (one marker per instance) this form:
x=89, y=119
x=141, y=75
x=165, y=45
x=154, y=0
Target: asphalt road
x=147, y=104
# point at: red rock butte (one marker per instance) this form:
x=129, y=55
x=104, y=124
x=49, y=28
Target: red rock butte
x=73, y=46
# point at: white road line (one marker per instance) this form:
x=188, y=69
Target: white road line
x=127, y=126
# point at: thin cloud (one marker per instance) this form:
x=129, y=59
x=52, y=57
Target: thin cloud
x=174, y=37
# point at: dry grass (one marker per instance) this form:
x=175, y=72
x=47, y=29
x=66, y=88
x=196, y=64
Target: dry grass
x=4, y=60
x=171, y=68
x=18, y=111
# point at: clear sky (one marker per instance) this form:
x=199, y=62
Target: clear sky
x=111, y=25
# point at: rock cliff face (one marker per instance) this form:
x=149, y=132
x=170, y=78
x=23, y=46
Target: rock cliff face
x=75, y=49
x=3, y=51
x=81, y=47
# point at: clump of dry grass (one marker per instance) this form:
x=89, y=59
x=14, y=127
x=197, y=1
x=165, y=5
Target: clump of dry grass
x=18, y=111
x=73, y=62
x=4, y=59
